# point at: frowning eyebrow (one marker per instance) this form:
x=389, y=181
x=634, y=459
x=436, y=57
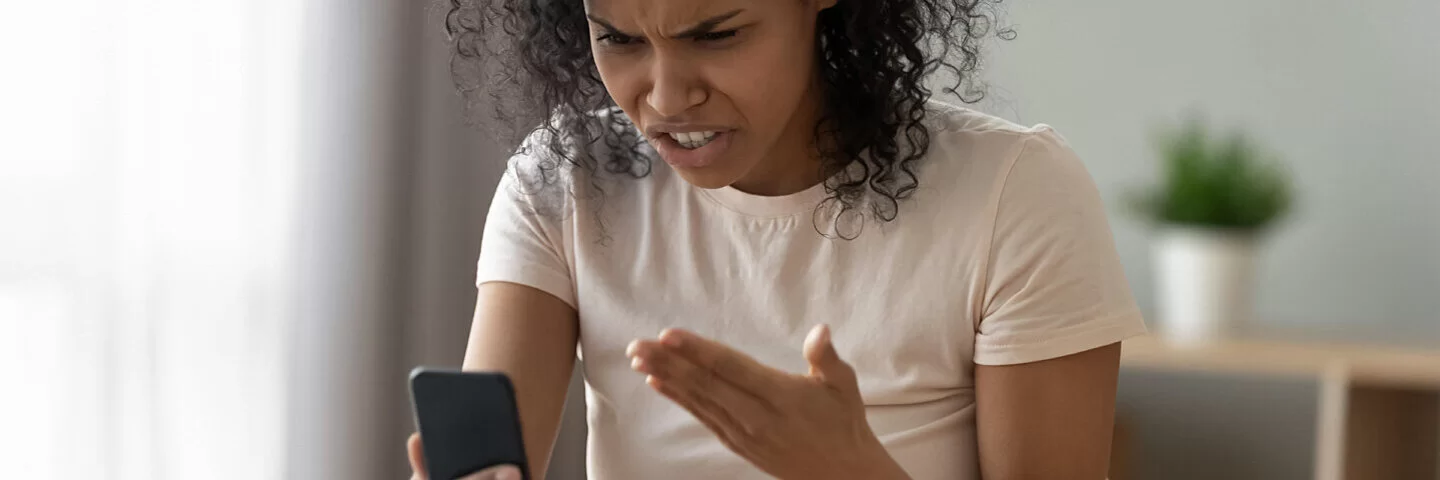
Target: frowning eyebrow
x=708, y=25
x=705, y=26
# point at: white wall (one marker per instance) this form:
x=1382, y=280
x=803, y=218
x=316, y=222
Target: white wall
x=1348, y=92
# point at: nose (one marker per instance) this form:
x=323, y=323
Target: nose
x=674, y=87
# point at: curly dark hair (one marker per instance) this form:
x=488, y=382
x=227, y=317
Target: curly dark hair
x=532, y=60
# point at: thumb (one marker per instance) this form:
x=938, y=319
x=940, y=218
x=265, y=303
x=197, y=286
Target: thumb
x=503, y=472
x=417, y=457
x=825, y=362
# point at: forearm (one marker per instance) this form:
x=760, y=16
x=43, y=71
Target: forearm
x=531, y=337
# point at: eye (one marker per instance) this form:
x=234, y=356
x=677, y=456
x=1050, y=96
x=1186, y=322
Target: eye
x=618, y=39
x=715, y=36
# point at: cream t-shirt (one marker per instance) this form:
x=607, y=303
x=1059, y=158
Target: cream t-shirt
x=1002, y=256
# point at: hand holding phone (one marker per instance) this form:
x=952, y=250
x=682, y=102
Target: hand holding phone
x=469, y=423
x=417, y=465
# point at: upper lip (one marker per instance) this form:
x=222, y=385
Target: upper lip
x=656, y=130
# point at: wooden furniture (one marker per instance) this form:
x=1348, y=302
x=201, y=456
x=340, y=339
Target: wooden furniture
x=1379, y=408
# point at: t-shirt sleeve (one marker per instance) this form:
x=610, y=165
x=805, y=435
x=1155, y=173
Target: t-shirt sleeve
x=524, y=238
x=1054, y=282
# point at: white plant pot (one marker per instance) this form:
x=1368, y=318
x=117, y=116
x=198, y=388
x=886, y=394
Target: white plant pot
x=1205, y=279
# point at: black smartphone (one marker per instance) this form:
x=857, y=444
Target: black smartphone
x=468, y=421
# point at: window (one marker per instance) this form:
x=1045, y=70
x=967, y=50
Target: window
x=147, y=196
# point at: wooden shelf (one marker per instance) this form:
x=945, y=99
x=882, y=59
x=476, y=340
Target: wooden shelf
x=1362, y=365
x=1378, y=407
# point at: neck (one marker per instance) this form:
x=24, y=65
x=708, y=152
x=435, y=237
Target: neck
x=794, y=164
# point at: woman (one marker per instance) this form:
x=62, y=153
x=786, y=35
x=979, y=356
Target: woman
x=825, y=275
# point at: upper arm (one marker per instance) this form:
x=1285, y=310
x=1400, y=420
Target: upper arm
x=530, y=336
x=1050, y=419
x=1056, y=305
x=525, y=321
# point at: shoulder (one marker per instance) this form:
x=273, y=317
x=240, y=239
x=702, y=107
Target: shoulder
x=983, y=171
x=982, y=151
x=958, y=128
x=946, y=117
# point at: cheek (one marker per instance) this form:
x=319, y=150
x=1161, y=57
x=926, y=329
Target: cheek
x=747, y=92
x=765, y=81
x=619, y=82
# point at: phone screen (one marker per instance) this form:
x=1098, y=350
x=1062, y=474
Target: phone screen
x=468, y=421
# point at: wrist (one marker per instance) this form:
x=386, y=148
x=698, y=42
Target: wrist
x=879, y=465
x=885, y=469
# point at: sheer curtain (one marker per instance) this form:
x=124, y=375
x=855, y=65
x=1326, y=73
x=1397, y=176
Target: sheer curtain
x=227, y=230
x=148, y=174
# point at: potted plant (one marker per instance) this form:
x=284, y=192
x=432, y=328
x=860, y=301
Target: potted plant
x=1217, y=196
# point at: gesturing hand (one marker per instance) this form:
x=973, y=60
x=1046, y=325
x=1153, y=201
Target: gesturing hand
x=790, y=426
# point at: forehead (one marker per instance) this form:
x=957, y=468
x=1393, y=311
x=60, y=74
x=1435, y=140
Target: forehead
x=648, y=14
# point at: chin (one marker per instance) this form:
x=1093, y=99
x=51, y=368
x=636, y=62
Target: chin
x=708, y=178
x=722, y=172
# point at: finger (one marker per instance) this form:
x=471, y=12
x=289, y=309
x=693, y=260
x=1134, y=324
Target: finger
x=651, y=358
x=705, y=389
x=825, y=362
x=643, y=350
x=503, y=472
x=712, y=418
x=417, y=457
x=725, y=362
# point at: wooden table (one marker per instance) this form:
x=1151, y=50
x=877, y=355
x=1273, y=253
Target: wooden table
x=1379, y=407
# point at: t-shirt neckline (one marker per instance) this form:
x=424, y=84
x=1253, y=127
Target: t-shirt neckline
x=767, y=206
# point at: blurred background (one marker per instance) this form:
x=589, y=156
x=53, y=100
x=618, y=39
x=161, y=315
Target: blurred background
x=229, y=228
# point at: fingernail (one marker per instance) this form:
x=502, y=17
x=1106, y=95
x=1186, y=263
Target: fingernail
x=637, y=363
x=819, y=335
x=670, y=337
x=630, y=349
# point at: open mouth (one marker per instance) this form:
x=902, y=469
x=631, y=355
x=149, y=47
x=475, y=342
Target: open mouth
x=692, y=149
x=693, y=140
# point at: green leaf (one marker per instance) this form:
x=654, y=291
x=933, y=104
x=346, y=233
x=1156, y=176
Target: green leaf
x=1224, y=182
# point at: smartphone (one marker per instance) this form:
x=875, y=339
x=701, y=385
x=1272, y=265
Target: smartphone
x=468, y=421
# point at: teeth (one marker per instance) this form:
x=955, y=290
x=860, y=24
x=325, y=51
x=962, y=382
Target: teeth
x=693, y=139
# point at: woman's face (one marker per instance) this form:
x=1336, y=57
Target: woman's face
x=724, y=89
